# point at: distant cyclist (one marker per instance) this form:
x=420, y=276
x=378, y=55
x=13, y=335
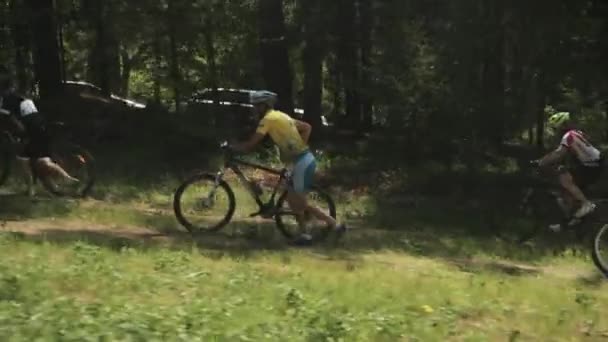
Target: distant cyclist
x=23, y=119
x=291, y=136
x=580, y=164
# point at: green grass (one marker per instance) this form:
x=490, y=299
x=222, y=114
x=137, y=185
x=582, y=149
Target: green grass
x=79, y=291
x=413, y=269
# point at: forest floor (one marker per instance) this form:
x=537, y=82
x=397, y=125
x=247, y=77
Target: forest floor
x=118, y=266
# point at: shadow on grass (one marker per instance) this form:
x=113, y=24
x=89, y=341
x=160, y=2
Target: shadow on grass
x=15, y=207
x=238, y=241
x=444, y=229
x=435, y=229
x=460, y=230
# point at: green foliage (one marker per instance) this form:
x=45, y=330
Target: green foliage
x=441, y=73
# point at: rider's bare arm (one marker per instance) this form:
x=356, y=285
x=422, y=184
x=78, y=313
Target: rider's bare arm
x=11, y=123
x=304, y=129
x=554, y=156
x=250, y=144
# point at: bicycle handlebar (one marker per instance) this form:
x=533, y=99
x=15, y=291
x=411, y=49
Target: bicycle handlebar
x=227, y=149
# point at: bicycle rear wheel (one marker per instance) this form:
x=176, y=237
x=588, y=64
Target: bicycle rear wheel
x=202, y=205
x=78, y=163
x=317, y=229
x=599, y=250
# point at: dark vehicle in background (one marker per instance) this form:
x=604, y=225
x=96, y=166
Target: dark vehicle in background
x=94, y=116
x=231, y=114
x=85, y=89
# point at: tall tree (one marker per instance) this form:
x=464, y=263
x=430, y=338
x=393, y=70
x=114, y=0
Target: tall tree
x=210, y=51
x=172, y=22
x=157, y=70
x=21, y=39
x=366, y=27
x=104, y=56
x=273, y=49
x=492, y=71
x=347, y=53
x=312, y=56
x=47, y=60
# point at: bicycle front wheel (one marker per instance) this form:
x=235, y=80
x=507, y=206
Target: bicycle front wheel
x=77, y=162
x=599, y=251
x=292, y=226
x=200, y=204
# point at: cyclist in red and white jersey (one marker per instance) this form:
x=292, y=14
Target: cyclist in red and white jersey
x=585, y=166
x=576, y=142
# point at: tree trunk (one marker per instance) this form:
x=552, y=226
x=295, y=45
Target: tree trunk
x=516, y=79
x=348, y=61
x=100, y=61
x=366, y=26
x=211, y=60
x=492, y=80
x=62, y=51
x=157, y=67
x=125, y=74
x=606, y=111
x=334, y=70
x=208, y=33
x=313, y=65
x=273, y=49
x=21, y=40
x=540, y=110
x=60, y=39
x=46, y=53
x=105, y=55
x=174, y=58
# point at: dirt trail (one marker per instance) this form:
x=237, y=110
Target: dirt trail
x=74, y=229
x=53, y=226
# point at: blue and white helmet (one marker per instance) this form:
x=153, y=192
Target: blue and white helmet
x=263, y=96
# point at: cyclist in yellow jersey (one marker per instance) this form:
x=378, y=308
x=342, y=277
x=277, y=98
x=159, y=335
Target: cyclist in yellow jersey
x=284, y=132
x=291, y=136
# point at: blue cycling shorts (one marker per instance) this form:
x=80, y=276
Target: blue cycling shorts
x=303, y=172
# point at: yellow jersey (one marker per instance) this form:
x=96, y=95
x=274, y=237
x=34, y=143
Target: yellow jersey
x=283, y=131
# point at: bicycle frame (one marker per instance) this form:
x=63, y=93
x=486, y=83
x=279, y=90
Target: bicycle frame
x=267, y=210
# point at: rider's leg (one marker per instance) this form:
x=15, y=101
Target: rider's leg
x=54, y=169
x=25, y=166
x=38, y=148
x=298, y=203
x=303, y=176
x=567, y=182
x=566, y=202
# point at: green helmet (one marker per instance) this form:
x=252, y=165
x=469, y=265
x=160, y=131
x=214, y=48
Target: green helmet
x=558, y=119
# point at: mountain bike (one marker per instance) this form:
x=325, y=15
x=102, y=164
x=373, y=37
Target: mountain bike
x=541, y=203
x=73, y=158
x=205, y=202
